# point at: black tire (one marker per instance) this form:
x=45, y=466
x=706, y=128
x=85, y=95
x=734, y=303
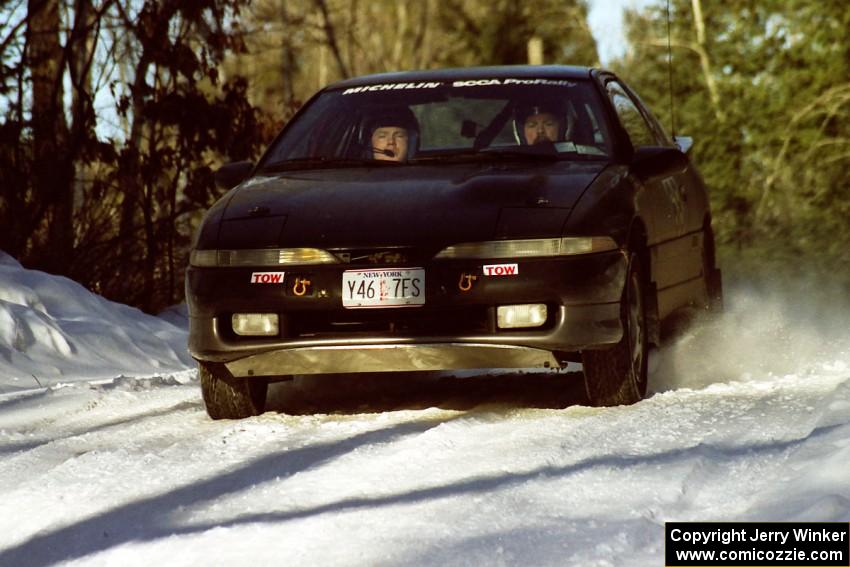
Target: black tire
x=710, y=274
x=618, y=375
x=228, y=397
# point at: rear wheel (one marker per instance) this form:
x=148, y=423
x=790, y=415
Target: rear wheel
x=228, y=397
x=618, y=375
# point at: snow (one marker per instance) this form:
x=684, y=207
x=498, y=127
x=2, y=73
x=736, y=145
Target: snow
x=113, y=461
x=53, y=330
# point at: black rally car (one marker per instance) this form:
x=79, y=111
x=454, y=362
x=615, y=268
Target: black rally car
x=502, y=217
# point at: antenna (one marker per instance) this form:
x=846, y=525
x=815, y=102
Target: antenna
x=670, y=75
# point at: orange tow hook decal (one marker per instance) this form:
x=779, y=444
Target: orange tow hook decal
x=465, y=283
x=301, y=286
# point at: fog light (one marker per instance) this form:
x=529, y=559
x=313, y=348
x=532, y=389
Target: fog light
x=255, y=324
x=516, y=316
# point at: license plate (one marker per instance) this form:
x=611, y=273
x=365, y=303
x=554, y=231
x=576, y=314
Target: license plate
x=383, y=288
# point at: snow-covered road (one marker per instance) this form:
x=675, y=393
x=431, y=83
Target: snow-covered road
x=750, y=420
x=134, y=473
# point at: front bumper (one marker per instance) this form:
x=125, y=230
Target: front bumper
x=583, y=294
x=390, y=358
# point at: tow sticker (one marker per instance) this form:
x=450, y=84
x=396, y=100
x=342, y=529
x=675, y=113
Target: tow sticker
x=501, y=270
x=267, y=277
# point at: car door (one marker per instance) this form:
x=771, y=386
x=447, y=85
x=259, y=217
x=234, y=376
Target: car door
x=661, y=200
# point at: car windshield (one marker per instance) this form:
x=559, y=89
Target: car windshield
x=422, y=122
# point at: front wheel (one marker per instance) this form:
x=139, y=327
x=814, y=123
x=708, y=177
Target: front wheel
x=228, y=397
x=618, y=375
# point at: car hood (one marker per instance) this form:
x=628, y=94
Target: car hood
x=404, y=206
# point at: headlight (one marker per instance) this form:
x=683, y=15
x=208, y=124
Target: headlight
x=263, y=257
x=567, y=246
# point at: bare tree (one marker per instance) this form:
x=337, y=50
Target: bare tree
x=52, y=168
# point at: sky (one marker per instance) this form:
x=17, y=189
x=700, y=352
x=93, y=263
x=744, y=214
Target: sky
x=606, y=22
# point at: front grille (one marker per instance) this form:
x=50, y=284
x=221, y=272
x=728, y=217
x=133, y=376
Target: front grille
x=411, y=321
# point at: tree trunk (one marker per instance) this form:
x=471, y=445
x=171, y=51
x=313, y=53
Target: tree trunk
x=330, y=37
x=705, y=62
x=422, y=40
x=53, y=172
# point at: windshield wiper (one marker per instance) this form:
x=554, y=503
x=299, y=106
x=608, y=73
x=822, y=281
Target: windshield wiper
x=324, y=161
x=533, y=153
x=540, y=152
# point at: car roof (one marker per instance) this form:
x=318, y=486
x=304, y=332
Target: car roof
x=469, y=73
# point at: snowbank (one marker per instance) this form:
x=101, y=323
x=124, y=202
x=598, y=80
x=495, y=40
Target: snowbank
x=53, y=330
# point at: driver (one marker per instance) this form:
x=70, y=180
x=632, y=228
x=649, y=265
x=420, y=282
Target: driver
x=394, y=134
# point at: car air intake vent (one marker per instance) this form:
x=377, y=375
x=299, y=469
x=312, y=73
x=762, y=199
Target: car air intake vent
x=380, y=256
x=383, y=322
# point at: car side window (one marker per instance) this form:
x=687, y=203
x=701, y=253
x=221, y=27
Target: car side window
x=661, y=134
x=630, y=116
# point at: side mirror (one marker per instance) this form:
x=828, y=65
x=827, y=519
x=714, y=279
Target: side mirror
x=685, y=143
x=652, y=161
x=232, y=174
